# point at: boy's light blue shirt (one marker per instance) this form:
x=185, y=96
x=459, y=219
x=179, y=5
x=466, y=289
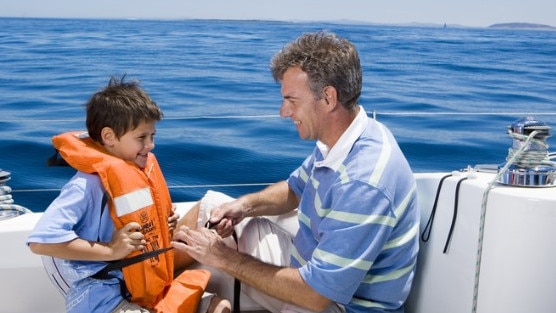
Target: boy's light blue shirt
x=76, y=213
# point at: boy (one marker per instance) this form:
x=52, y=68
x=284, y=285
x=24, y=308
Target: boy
x=115, y=166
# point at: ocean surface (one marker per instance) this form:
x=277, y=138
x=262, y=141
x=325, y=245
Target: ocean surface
x=447, y=94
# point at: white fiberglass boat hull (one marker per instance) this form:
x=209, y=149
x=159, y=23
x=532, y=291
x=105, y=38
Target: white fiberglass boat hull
x=517, y=272
x=517, y=268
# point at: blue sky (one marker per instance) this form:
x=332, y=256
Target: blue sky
x=462, y=12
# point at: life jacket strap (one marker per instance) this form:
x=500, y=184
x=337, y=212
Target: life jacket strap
x=237, y=282
x=116, y=265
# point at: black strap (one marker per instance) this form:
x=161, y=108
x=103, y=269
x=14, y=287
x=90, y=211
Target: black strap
x=237, y=282
x=103, y=203
x=102, y=206
x=116, y=265
x=454, y=216
x=425, y=236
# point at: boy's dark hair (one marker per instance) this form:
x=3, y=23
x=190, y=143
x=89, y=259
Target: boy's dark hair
x=121, y=106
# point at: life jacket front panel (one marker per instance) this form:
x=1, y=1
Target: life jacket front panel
x=135, y=195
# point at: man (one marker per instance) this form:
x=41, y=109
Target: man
x=357, y=242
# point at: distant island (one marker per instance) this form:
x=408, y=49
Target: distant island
x=522, y=26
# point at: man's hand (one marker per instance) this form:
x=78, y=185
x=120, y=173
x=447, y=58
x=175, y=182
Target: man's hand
x=226, y=216
x=204, y=245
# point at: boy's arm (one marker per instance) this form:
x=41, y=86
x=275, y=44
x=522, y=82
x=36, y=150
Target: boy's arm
x=124, y=241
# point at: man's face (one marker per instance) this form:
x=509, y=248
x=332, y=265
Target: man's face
x=299, y=104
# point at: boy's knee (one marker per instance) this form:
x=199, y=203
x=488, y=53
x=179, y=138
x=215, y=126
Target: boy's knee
x=219, y=305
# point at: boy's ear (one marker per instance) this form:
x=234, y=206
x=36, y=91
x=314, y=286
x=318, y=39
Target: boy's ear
x=108, y=136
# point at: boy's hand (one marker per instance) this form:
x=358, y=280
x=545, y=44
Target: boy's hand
x=126, y=240
x=173, y=219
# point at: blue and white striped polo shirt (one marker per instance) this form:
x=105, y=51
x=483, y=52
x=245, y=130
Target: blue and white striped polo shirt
x=358, y=238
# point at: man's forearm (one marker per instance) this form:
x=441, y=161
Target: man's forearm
x=275, y=199
x=283, y=283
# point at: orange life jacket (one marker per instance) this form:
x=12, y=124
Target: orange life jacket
x=142, y=196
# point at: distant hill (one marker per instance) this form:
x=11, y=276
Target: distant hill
x=522, y=26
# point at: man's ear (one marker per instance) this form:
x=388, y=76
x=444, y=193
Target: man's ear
x=108, y=136
x=330, y=96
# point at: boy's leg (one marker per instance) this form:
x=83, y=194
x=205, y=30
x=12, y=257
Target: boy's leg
x=183, y=260
x=211, y=303
x=190, y=217
x=128, y=307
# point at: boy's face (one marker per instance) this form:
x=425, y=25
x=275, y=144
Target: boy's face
x=134, y=145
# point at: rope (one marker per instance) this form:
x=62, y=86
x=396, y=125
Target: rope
x=484, y=201
x=372, y=113
x=7, y=207
x=169, y=187
x=529, y=157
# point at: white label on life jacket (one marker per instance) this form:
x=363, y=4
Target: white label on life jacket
x=133, y=201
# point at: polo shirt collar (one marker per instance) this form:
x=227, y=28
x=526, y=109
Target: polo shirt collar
x=333, y=158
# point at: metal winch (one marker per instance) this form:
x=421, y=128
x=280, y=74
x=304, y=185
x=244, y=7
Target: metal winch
x=7, y=207
x=530, y=165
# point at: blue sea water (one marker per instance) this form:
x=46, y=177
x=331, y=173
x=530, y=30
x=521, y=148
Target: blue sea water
x=447, y=94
